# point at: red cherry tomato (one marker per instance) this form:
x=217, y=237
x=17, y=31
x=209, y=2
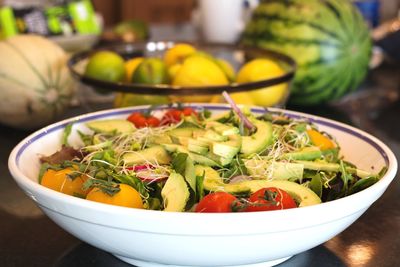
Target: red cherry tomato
x=270, y=198
x=175, y=115
x=172, y=115
x=152, y=121
x=216, y=202
x=140, y=120
x=187, y=111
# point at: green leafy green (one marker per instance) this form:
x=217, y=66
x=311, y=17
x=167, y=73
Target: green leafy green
x=179, y=163
x=66, y=133
x=316, y=184
x=237, y=167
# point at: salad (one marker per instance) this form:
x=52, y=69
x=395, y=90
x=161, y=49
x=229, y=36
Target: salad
x=178, y=158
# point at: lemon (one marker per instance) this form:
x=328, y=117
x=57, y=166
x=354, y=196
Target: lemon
x=173, y=70
x=130, y=67
x=227, y=68
x=178, y=53
x=243, y=98
x=256, y=70
x=126, y=100
x=151, y=71
x=106, y=66
x=198, y=70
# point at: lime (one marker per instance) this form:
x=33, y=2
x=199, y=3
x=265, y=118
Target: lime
x=132, y=30
x=126, y=100
x=261, y=69
x=151, y=71
x=106, y=66
x=130, y=67
x=178, y=53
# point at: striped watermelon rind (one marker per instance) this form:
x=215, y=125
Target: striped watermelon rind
x=329, y=40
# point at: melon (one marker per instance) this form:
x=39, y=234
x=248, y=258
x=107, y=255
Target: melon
x=329, y=40
x=35, y=83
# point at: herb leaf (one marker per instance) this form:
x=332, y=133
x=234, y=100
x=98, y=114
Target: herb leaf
x=66, y=133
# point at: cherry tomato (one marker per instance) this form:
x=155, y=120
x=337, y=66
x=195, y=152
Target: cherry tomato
x=187, y=111
x=140, y=120
x=127, y=196
x=270, y=198
x=153, y=121
x=175, y=115
x=65, y=181
x=217, y=202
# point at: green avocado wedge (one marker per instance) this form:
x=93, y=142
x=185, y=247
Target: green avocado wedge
x=175, y=193
x=259, y=140
x=153, y=155
x=112, y=125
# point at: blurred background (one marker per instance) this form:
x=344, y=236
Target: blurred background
x=322, y=48
x=180, y=11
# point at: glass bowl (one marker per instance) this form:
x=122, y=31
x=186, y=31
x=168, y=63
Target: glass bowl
x=128, y=94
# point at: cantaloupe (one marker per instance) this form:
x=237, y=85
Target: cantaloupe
x=35, y=83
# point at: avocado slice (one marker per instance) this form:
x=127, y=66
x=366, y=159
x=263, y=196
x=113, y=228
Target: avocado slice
x=228, y=141
x=198, y=142
x=214, y=136
x=213, y=182
x=202, y=150
x=112, y=125
x=307, y=153
x=154, y=155
x=227, y=149
x=221, y=128
x=159, y=139
x=259, y=140
x=186, y=131
x=197, y=158
x=175, y=193
x=333, y=167
x=274, y=170
x=182, y=136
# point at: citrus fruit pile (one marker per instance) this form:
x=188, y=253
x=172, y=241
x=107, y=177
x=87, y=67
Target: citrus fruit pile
x=186, y=66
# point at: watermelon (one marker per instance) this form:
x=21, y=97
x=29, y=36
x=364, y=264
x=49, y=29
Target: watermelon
x=329, y=40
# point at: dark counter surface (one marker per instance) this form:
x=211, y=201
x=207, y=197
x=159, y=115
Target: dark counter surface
x=29, y=238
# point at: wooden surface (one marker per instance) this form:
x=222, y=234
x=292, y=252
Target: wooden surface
x=152, y=11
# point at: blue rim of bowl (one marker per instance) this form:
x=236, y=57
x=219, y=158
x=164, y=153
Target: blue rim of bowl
x=124, y=111
x=160, y=89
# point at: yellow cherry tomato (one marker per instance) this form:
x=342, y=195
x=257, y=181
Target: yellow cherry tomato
x=126, y=197
x=319, y=140
x=65, y=181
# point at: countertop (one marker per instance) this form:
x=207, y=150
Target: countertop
x=29, y=238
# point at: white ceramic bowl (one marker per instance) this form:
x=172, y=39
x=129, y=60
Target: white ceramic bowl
x=155, y=238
